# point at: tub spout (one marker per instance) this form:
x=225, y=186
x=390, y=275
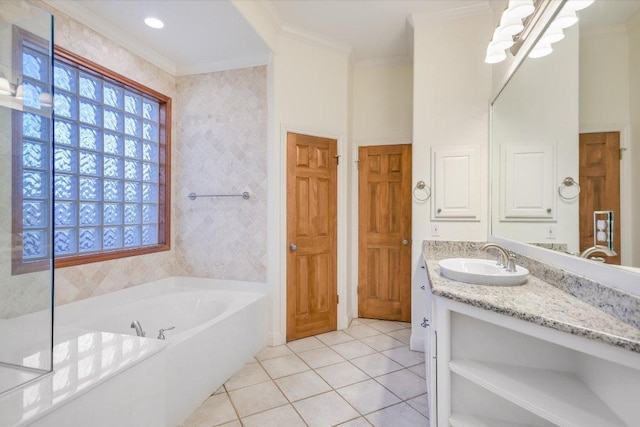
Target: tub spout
x=139, y=331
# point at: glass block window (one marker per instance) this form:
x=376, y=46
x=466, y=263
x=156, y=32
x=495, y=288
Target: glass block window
x=106, y=163
x=109, y=155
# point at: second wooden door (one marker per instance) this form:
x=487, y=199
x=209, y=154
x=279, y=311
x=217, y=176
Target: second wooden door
x=384, y=266
x=600, y=186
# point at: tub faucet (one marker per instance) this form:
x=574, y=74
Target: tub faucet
x=595, y=249
x=161, y=332
x=139, y=331
x=505, y=259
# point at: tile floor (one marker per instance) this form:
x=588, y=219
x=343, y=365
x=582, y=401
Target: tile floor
x=362, y=376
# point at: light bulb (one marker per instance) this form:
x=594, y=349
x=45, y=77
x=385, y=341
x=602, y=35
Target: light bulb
x=520, y=8
x=552, y=35
x=578, y=4
x=495, y=55
x=510, y=25
x=565, y=19
x=501, y=41
x=540, y=50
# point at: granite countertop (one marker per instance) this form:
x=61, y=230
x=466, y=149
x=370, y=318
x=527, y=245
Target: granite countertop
x=538, y=302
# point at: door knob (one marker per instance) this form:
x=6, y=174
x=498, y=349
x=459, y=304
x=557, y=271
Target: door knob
x=293, y=247
x=405, y=242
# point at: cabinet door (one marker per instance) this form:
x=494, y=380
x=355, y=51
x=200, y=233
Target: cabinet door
x=456, y=179
x=528, y=182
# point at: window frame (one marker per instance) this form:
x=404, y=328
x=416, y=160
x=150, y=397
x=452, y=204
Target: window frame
x=19, y=264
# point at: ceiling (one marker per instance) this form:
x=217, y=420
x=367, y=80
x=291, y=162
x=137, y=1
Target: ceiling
x=211, y=35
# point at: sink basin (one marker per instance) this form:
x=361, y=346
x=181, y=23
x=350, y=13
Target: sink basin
x=481, y=272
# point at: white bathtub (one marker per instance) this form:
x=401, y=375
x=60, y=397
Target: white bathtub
x=219, y=326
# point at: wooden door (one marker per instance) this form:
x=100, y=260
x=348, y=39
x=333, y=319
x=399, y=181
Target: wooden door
x=311, y=235
x=384, y=265
x=600, y=185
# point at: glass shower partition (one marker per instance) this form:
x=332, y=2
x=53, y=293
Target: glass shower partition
x=26, y=227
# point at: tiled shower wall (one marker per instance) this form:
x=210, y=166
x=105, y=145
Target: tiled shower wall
x=222, y=134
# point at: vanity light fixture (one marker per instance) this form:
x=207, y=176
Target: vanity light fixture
x=510, y=25
x=565, y=19
x=520, y=8
x=153, y=22
x=552, y=35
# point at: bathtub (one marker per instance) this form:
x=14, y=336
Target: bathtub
x=219, y=326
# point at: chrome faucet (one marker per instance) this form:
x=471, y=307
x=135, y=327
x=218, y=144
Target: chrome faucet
x=595, y=249
x=505, y=259
x=139, y=331
x=161, y=332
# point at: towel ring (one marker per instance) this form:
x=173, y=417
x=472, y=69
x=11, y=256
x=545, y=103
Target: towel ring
x=566, y=183
x=420, y=185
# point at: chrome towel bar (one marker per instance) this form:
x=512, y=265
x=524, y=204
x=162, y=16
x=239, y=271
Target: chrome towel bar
x=244, y=195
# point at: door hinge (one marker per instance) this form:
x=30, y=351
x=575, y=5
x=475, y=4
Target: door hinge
x=337, y=299
x=621, y=150
x=337, y=156
x=358, y=164
x=358, y=290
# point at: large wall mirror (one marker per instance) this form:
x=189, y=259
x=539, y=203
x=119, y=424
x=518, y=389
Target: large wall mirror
x=565, y=144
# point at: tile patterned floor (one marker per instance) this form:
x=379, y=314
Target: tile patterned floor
x=362, y=376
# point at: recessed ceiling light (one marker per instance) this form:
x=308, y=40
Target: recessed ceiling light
x=154, y=22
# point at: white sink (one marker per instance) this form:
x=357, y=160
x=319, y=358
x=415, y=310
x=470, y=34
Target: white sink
x=481, y=272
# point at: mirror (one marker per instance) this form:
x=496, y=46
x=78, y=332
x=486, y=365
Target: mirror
x=565, y=145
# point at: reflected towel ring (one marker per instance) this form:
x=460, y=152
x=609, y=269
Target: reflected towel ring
x=568, y=182
x=420, y=185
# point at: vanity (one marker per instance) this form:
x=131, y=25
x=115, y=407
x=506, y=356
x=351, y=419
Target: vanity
x=527, y=355
x=562, y=349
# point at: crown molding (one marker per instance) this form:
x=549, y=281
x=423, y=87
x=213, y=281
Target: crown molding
x=449, y=14
x=309, y=37
x=224, y=65
x=75, y=11
x=271, y=12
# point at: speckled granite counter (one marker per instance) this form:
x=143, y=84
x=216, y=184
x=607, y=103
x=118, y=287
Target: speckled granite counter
x=537, y=302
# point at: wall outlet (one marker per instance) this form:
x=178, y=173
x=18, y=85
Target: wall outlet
x=551, y=232
x=435, y=229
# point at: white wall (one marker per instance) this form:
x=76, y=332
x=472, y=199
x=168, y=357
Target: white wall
x=539, y=106
x=382, y=114
x=310, y=89
x=382, y=103
x=451, y=90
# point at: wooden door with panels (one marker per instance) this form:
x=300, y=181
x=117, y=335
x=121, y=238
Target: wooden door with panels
x=384, y=247
x=312, y=295
x=600, y=186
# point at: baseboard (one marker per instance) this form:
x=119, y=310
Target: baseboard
x=274, y=339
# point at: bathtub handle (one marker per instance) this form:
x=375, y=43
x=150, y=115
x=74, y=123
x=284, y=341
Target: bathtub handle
x=161, y=332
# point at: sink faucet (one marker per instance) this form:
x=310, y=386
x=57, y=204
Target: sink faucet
x=595, y=249
x=506, y=259
x=139, y=331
